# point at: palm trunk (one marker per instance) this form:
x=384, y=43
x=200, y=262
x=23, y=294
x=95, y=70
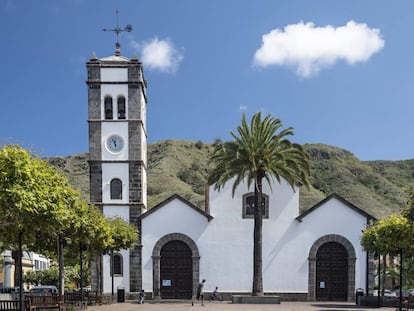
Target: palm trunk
x=257, y=239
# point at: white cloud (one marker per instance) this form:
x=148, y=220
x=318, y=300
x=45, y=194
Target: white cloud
x=160, y=55
x=308, y=49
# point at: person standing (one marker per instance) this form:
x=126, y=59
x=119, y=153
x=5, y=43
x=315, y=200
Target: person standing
x=200, y=291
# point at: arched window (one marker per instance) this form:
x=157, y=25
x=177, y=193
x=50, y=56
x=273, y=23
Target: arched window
x=108, y=108
x=248, y=205
x=117, y=266
x=116, y=189
x=121, y=107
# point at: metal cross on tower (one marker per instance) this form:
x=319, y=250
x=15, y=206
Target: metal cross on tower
x=118, y=30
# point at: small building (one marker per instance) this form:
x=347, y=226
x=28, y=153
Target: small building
x=31, y=261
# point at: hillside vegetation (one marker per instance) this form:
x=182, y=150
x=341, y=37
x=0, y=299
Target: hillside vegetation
x=181, y=167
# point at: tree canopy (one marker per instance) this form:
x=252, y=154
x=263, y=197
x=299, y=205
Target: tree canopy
x=259, y=151
x=393, y=234
x=38, y=207
x=33, y=197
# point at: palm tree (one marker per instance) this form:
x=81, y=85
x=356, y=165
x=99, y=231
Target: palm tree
x=260, y=151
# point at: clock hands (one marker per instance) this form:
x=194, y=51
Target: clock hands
x=115, y=143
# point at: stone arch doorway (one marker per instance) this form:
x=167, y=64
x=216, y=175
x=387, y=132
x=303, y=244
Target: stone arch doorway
x=176, y=270
x=176, y=264
x=331, y=272
x=331, y=269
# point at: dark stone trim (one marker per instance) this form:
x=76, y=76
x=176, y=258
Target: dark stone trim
x=180, y=198
x=114, y=120
x=312, y=264
x=251, y=216
x=342, y=200
x=156, y=257
x=95, y=83
x=141, y=163
x=139, y=204
x=118, y=204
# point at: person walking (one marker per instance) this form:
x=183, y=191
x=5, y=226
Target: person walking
x=141, y=296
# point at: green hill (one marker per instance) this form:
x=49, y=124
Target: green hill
x=176, y=166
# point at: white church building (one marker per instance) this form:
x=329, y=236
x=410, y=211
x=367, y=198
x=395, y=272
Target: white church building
x=311, y=256
x=315, y=255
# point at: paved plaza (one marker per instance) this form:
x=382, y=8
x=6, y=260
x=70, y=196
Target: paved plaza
x=228, y=306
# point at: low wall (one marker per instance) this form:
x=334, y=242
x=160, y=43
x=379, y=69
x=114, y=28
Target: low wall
x=255, y=299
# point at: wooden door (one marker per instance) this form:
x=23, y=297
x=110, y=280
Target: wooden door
x=331, y=272
x=176, y=271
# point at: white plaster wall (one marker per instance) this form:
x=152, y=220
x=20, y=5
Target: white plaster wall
x=227, y=255
x=143, y=110
x=176, y=217
x=40, y=258
x=226, y=242
x=114, y=90
x=122, y=212
x=143, y=136
x=116, y=211
x=109, y=172
x=108, y=129
x=114, y=74
x=334, y=217
x=144, y=187
x=115, y=170
x=118, y=280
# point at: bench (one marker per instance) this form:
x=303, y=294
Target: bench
x=75, y=300
x=14, y=305
x=38, y=302
x=89, y=297
x=94, y=297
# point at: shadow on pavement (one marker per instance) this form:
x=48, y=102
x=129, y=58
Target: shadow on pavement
x=339, y=306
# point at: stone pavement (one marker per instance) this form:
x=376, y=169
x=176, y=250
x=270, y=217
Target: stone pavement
x=228, y=306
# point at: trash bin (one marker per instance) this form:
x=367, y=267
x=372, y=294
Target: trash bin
x=359, y=292
x=120, y=294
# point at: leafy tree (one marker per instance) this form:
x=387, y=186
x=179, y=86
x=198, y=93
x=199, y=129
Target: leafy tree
x=124, y=235
x=39, y=208
x=408, y=211
x=393, y=271
x=259, y=151
x=34, y=198
x=393, y=236
x=51, y=276
x=389, y=236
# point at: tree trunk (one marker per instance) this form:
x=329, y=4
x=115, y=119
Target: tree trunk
x=384, y=273
x=20, y=255
x=257, y=239
x=61, y=266
x=401, y=281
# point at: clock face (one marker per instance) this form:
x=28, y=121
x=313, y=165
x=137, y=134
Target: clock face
x=115, y=143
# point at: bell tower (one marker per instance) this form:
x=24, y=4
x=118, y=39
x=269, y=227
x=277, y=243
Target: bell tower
x=118, y=157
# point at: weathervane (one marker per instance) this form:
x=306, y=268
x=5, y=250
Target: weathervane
x=118, y=30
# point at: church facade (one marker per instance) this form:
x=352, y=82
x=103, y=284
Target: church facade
x=311, y=256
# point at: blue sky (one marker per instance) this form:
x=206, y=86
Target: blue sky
x=339, y=72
